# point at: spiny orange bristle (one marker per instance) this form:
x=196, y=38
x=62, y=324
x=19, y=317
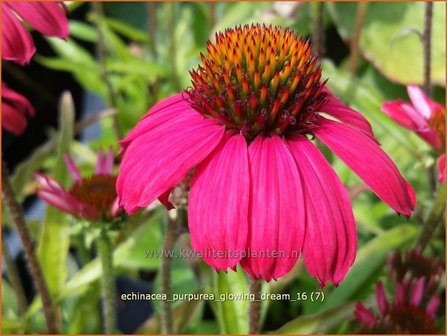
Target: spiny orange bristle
x=255, y=77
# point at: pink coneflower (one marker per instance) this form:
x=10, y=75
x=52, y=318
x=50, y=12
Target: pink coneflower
x=93, y=198
x=46, y=17
x=15, y=109
x=259, y=184
x=425, y=117
x=403, y=316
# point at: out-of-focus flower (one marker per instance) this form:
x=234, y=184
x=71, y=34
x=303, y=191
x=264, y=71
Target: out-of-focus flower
x=15, y=109
x=409, y=267
x=403, y=316
x=261, y=192
x=423, y=116
x=46, y=17
x=93, y=198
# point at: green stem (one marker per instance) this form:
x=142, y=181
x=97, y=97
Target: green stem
x=355, y=42
x=14, y=280
x=426, y=41
x=105, y=253
x=33, y=264
x=255, y=307
x=434, y=218
x=167, y=326
x=318, y=28
x=170, y=21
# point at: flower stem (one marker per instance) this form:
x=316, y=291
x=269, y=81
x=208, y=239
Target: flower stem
x=108, y=283
x=167, y=326
x=98, y=9
x=170, y=21
x=318, y=28
x=434, y=217
x=426, y=41
x=34, y=266
x=14, y=279
x=255, y=306
x=360, y=17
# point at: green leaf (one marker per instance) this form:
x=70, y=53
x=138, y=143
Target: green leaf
x=149, y=71
x=231, y=314
x=83, y=31
x=318, y=323
x=388, y=39
x=54, y=241
x=127, y=30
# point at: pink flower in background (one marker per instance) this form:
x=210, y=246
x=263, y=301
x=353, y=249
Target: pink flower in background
x=403, y=316
x=262, y=193
x=92, y=198
x=46, y=17
x=423, y=116
x=15, y=110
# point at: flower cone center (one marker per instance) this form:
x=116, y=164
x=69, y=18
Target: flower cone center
x=258, y=79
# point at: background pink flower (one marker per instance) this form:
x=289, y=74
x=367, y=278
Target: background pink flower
x=425, y=117
x=46, y=17
x=259, y=183
x=92, y=198
x=15, y=109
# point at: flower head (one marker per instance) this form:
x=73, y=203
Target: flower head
x=15, y=110
x=404, y=315
x=46, y=17
x=92, y=198
x=425, y=117
x=261, y=192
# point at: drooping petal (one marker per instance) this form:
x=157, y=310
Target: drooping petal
x=423, y=104
x=171, y=108
x=417, y=292
x=334, y=107
x=433, y=306
x=17, y=43
x=330, y=242
x=218, y=204
x=365, y=316
x=72, y=168
x=382, y=302
x=157, y=160
x=276, y=211
x=364, y=156
x=441, y=168
x=12, y=121
x=17, y=101
x=46, y=17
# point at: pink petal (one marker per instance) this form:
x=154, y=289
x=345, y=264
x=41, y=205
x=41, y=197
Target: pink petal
x=364, y=156
x=399, y=295
x=108, y=162
x=46, y=17
x=12, y=121
x=164, y=111
x=345, y=114
x=330, y=242
x=417, y=292
x=47, y=182
x=218, y=204
x=164, y=199
x=433, y=306
x=159, y=159
x=17, y=101
x=382, y=302
x=276, y=210
x=365, y=316
x=115, y=208
x=100, y=161
x=423, y=104
x=72, y=168
x=441, y=168
x=17, y=43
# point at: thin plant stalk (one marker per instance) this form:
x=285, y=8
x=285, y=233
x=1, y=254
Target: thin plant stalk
x=362, y=6
x=33, y=264
x=318, y=28
x=255, y=307
x=105, y=253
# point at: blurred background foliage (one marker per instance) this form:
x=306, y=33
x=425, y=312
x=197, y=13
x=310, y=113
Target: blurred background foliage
x=131, y=55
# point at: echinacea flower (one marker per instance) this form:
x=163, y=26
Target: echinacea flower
x=92, y=198
x=46, y=17
x=423, y=116
x=261, y=192
x=15, y=110
x=403, y=316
